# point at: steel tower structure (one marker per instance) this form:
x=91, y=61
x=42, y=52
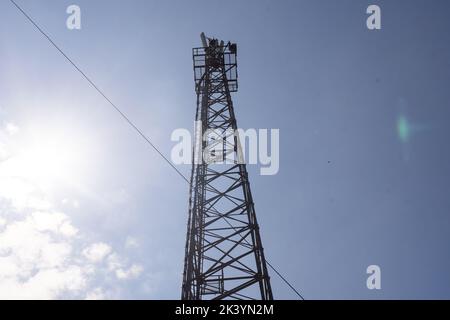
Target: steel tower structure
x=224, y=256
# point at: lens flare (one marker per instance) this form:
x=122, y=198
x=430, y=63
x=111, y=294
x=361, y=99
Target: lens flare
x=403, y=129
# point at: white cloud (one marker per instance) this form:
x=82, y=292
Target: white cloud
x=118, y=265
x=5, y=148
x=28, y=248
x=34, y=264
x=131, y=273
x=67, y=229
x=20, y=193
x=131, y=242
x=40, y=255
x=11, y=128
x=74, y=203
x=96, y=294
x=97, y=252
x=115, y=262
x=4, y=152
x=39, y=259
x=45, y=284
x=56, y=222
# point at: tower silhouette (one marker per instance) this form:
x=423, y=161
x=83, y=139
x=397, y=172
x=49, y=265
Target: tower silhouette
x=224, y=256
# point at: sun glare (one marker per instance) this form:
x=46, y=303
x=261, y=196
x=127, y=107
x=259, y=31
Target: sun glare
x=48, y=157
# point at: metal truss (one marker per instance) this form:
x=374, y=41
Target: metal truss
x=224, y=256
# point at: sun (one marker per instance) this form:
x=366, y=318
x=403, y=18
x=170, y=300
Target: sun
x=48, y=156
x=48, y=160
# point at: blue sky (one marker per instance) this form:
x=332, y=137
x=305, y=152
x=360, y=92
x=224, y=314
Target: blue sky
x=351, y=192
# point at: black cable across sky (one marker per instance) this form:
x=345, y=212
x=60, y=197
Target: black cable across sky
x=125, y=117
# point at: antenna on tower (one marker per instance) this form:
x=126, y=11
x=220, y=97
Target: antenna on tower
x=204, y=41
